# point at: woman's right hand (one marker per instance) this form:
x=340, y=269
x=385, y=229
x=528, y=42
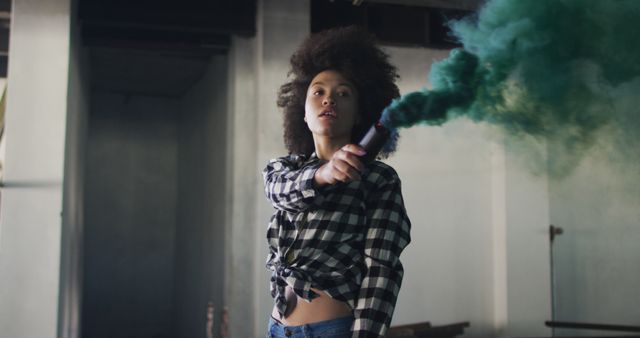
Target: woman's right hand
x=344, y=166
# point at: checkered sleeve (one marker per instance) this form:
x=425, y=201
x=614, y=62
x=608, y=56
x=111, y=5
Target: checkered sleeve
x=289, y=184
x=386, y=236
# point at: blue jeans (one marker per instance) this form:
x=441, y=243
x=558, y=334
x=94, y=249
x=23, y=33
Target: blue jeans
x=334, y=328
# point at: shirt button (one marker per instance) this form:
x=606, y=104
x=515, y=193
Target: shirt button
x=288, y=333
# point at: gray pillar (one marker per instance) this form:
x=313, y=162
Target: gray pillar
x=35, y=137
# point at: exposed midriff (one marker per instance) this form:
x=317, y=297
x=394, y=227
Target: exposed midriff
x=319, y=309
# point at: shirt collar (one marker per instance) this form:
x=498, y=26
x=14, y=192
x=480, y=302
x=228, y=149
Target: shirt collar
x=313, y=158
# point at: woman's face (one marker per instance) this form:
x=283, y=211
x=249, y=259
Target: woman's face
x=331, y=107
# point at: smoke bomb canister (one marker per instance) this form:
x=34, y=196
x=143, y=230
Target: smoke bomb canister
x=373, y=141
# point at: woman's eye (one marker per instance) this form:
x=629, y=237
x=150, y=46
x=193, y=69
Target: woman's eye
x=343, y=94
x=317, y=92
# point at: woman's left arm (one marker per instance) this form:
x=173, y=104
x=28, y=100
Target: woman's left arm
x=386, y=236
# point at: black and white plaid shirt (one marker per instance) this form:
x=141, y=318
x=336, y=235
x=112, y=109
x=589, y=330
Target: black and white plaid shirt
x=344, y=239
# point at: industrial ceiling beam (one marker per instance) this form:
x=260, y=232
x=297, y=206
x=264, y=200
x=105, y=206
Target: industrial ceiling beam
x=465, y=5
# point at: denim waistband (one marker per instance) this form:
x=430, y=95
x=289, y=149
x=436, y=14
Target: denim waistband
x=277, y=329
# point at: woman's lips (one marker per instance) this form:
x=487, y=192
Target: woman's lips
x=328, y=114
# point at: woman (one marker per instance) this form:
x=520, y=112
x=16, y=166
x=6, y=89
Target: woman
x=340, y=224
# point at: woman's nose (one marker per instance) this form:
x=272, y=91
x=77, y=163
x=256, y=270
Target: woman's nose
x=328, y=101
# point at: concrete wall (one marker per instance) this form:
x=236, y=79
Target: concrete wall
x=282, y=25
x=32, y=201
x=479, y=250
x=447, y=181
x=130, y=216
x=3, y=142
x=201, y=222
x=527, y=248
x=596, y=258
x=245, y=182
x=479, y=222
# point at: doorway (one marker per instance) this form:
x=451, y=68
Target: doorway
x=154, y=248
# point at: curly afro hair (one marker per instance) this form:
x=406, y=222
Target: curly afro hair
x=353, y=52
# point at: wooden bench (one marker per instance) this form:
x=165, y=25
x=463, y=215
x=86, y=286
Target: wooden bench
x=426, y=330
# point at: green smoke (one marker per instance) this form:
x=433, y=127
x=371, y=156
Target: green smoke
x=541, y=69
